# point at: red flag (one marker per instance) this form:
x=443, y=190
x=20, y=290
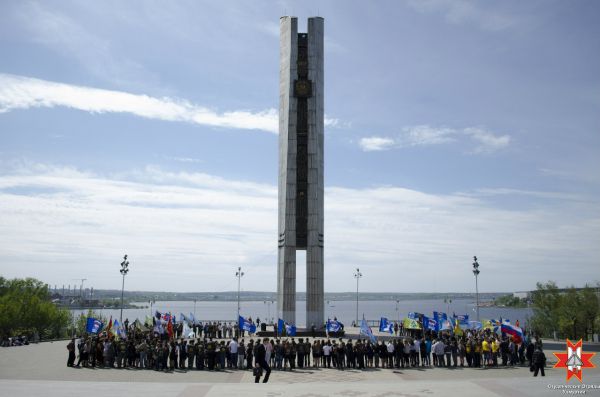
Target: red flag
x=109, y=327
x=170, y=329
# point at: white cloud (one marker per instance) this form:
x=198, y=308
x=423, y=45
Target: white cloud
x=192, y=229
x=483, y=141
x=17, y=92
x=375, y=143
x=488, y=142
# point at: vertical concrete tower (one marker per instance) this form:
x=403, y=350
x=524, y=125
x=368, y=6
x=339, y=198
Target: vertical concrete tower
x=301, y=124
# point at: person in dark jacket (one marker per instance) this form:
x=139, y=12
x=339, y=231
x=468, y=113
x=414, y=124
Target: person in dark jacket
x=539, y=361
x=261, y=354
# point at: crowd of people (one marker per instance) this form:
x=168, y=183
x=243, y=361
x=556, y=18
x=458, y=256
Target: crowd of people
x=218, y=348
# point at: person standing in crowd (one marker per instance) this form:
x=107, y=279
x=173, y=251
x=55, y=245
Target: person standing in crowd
x=233, y=352
x=261, y=358
x=71, y=350
x=241, y=354
x=539, y=361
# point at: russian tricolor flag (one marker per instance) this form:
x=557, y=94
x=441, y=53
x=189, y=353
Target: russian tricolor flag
x=514, y=331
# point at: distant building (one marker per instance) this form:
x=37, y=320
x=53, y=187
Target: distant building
x=522, y=294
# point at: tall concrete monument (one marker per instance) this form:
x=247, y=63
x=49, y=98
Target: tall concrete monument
x=301, y=123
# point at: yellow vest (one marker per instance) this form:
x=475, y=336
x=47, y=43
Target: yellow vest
x=495, y=346
x=485, y=346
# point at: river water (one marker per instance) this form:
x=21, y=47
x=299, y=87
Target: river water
x=345, y=311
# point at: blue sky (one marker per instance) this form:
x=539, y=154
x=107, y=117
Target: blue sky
x=453, y=129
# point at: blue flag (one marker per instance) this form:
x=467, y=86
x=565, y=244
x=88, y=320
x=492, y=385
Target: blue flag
x=246, y=325
x=475, y=325
x=386, y=326
x=119, y=330
x=290, y=329
x=366, y=330
x=93, y=326
x=280, y=325
x=333, y=325
x=429, y=323
x=414, y=315
x=463, y=319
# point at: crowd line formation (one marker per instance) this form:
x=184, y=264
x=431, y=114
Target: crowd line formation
x=209, y=351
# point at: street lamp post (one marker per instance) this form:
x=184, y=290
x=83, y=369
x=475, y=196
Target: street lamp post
x=268, y=303
x=447, y=301
x=195, y=310
x=152, y=302
x=124, y=270
x=476, y=273
x=239, y=275
x=357, y=276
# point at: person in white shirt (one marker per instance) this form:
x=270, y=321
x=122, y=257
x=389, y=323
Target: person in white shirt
x=233, y=350
x=390, y=355
x=327, y=354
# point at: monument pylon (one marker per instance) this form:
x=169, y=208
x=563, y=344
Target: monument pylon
x=301, y=125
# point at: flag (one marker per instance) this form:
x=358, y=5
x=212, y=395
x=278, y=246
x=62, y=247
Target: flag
x=182, y=318
x=158, y=315
x=93, y=326
x=463, y=319
x=109, y=327
x=446, y=325
x=414, y=315
x=366, y=330
x=410, y=323
x=290, y=329
x=119, y=330
x=429, y=323
x=386, y=326
x=148, y=321
x=457, y=330
x=514, y=331
x=492, y=325
x=158, y=328
x=246, y=325
x=192, y=318
x=170, y=328
x=475, y=325
x=333, y=325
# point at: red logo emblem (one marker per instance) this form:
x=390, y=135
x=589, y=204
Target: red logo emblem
x=574, y=360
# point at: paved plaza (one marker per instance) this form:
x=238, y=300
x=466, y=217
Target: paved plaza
x=40, y=370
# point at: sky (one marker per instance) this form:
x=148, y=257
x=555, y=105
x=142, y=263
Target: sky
x=149, y=128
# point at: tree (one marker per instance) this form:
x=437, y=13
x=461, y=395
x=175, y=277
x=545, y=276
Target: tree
x=573, y=313
x=546, y=304
x=26, y=309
